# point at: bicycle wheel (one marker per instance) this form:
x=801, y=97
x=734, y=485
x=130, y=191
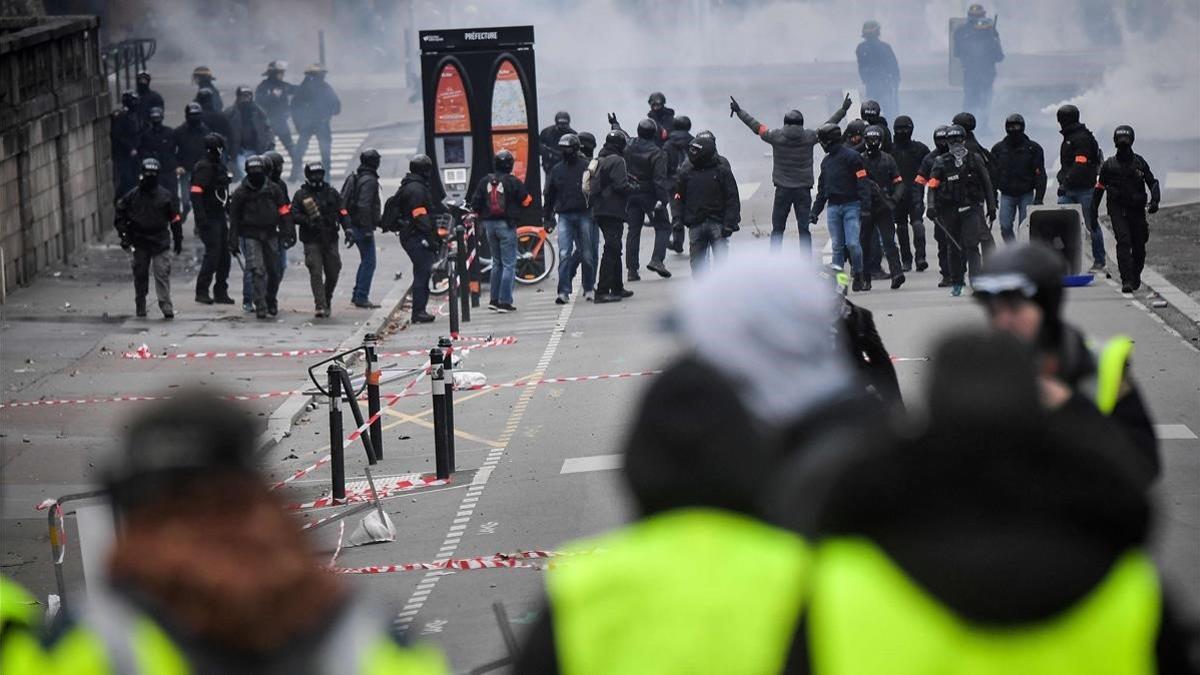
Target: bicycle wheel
x=439, y=277
x=536, y=256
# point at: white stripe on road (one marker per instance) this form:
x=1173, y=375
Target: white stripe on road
x=593, y=463
x=1182, y=180
x=747, y=190
x=1173, y=432
x=396, y=152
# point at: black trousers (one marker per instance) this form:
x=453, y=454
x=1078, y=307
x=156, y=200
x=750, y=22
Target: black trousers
x=422, y=260
x=914, y=216
x=215, y=267
x=967, y=227
x=609, y=280
x=638, y=209
x=1132, y=233
x=878, y=228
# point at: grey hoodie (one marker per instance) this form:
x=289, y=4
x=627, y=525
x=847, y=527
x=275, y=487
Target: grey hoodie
x=793, y=144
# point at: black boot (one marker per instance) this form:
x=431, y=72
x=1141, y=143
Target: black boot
x=866, y=282
x=856, y=285
x=897, y=281
x=141, y=307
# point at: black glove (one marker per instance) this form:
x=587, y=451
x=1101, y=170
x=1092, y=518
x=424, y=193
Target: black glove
x=931, y=213
x=178, y=247
x=126, y=244
x=612, y=119
x=233, y=246
x=349, y=239
x=991, y=218
x=660, y=208
x=1153, y=208
x=814, y=217
x=1062, y=192
x=728, y=229
x=289, y=242
x=734, y=108
x=549, y=224
x=846, y=102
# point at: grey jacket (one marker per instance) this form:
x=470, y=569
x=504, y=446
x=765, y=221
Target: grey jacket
x=793, y=149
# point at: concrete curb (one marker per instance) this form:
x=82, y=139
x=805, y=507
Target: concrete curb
x=1165, y=289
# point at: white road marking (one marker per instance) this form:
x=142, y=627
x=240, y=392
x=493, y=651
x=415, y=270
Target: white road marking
x=397, y=152
x=1182, y=180
x=747, y=190
x=1173, y=432
x=593, y=463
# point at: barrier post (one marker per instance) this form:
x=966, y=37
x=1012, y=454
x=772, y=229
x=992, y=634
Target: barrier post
x=475, y=283
x=447, y=345
x=452, y=282
x=338, y=461
x=437, y=379
x=352, y=400
x=464, y=282
x=370, y=342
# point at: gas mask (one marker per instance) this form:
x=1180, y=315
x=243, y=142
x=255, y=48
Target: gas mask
x=874, y=145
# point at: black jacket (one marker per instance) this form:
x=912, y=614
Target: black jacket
x=159, y=142
x=124, y=133
x=706, y=193
x=564, y=188
x=1019, y=167
x=516, y=197
x=952, y=186
x=978, y=50
x=843, y=180
x=209, y=192
x=1080, y=157
x=548, y=142
x=889, y=184
x=676, y=150
x=149, y=219
x=259, y=213
x=865, y=347
x=882, y=123
x=611, y=186
x=189, y=143
x=416, y=205
x=318, y=214
x=219, y=123
x=313, y=104
x=1125, y=179
x=147, y=100
x=360, y=196
x=665, y=119
x=249, y=129
x=274, y=96
x=218, y=104
x=647, y=166
x=792, y=149
x=909, y=156
x=877, y=63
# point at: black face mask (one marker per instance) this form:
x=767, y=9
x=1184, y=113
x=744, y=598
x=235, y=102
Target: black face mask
x=874, y=147
x=148, y=181
x=1124, y=149
x=316, y=182
x=570, y=154
x=214, y=155
x=256, y=180
x=902, y=135
x=143, y=87
x=193, y=120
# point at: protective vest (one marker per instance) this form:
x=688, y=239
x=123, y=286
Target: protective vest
x=867, y=616
x=689, y=591
x=1104, y=387
x=20, y=651
x=114, y=639
x=956, y=185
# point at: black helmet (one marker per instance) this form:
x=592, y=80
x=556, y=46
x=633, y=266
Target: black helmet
x=276, y=161
x=1123, y=135
x=939, y=137
x=1033, y=271
x=421, y=165
x=1014, y=124
x=190, y=436
x=192, y=109
x=562, y=118
x=616, y=139
x=1067, y=115
x=975, y=11
x=855, y=128
x=965, y=120
x=202, y=73
x=129, y=99
x=829, y=135
x=143, y=77
x=794, y=117
x=873, y=137
x=871, y=28
x=314, y=172
x=587, y=142
x=657, y=98
x=150, y=167
x=702, y=151
x=504, y=161
x=955, y=134
x=155, y=114
x=214, y=142
x=647, y=129
x=682, y=123
x=255, y=164
x=370, y=158
x=709, y=135
x=869, y=109
x=244, y=91
x=902, y=123
x=569, y=142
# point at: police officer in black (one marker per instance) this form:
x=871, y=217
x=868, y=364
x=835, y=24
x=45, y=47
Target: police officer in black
x=707, y=203
x=887, y=194
x=148, y=222
x=1020, y=174
x=939, y=233
x=959, y=190
x=967, y=121
x=1125, y=178
x=203, y=78
x=663, y=116
x=123, y=133
x=1079, y=163
x=318, y=213
x=976, y=44
x=910, y=211
x=417, y=233
x=158, y=142
x=211, y=114
x=877, y=67
x=209, y=194
x=189, y=147
x=260, y=216
x=148, y=99
x=871, y=114
x=678, y=140
x=549, y=137
x=274, y=95
x=647, y=166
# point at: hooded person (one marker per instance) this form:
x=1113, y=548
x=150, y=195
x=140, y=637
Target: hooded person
x=707, y=203
x=147, y=97
x=909, y=154
x=158, y=141
x=548, y=139
x=189, y=146
x=148, y=223
x=1019, y=173
x=608, y=195
x=940, y=147
x=695, y=461
x=274, y=95
x=878, y=68
x=203, y=78
x=260, y=226
x=663, y=116
x=250, y=131
x=209, y=573
x=1125, y=177
x=314, y=105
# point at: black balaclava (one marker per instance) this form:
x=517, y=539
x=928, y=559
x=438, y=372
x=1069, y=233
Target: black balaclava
x=902, y=129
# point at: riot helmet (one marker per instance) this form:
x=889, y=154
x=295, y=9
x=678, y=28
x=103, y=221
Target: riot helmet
x=587, y=143
x=370, y=158
x=854, y=131
x=955, y=135
x=148, y=178
x=562, y=120
x=869, y=110
x=616, y=140
x=129, y=99
x=1031, y=272
x=1068, y=116
x=702, y=151
x=657, y=100
x=873, y=139
x=965, y=120
x=1014, y=124
x=647, y=129
x=244, y=95
x=939, y=138
x=421, y=165
x=202, y=75
x=314, y=173
x=1123, y=136
x=192, y=112
x=793, y=117
x=682, y=123
x=256, y=171
x=569, y=145
x=155, y=115
x=871, y=29
x=504, y=161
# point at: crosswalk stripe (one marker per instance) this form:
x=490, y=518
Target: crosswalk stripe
x=747, y=190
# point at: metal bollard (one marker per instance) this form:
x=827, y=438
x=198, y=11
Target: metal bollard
x=460, y=264
x=359, y=420
x=370, y=342
x=447, y=345
x=437, y=378
x=338, y=463
x=452, y=283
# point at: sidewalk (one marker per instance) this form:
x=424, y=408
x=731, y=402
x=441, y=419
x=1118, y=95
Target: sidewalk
x=64, y=337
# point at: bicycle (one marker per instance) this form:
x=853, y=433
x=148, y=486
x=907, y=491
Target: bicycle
x=537, y=256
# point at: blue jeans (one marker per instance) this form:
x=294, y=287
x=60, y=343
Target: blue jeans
x=1010, y=207
x=239, y=164
x=590, y=267
x=1084, y=198
x=365, y=241
x=844, y=225
x=788, y=200
x=502, y=242
x=574, y=247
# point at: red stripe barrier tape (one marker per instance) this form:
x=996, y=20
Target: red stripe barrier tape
x=126, y=399
x=399, y=485
x=508, y=560
x=144, y=353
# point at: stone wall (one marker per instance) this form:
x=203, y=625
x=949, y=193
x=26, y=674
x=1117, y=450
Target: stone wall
x=56, y=187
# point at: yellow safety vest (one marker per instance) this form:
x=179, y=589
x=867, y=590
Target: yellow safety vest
x=115, y=640
x=1110, y=372
x=688, y=591
x=21, y=652
x=867, y=616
